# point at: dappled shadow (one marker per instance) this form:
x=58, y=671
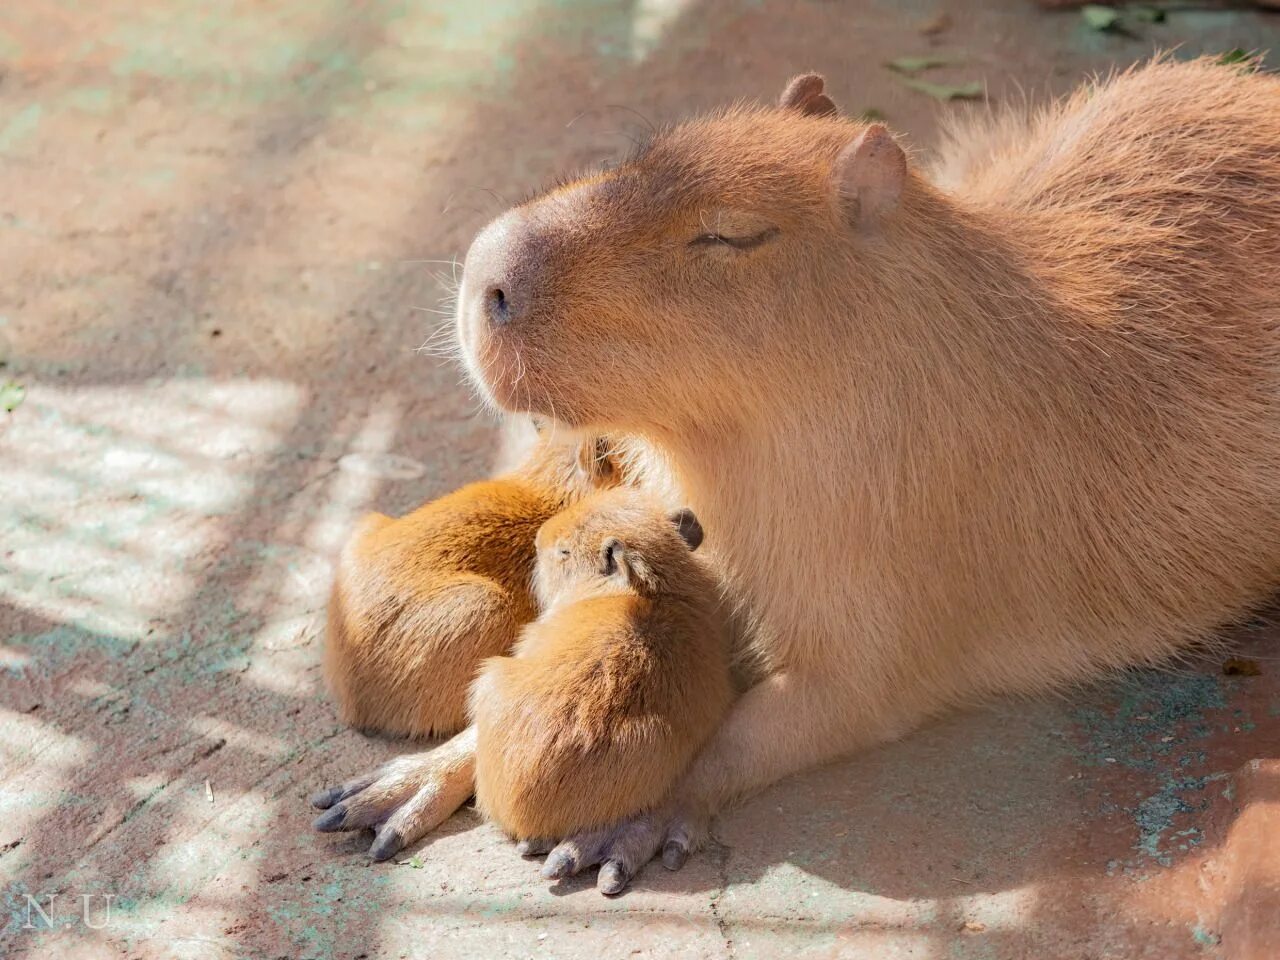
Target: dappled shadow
x=179, y=486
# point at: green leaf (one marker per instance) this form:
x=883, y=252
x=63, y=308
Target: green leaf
x=416, y=862
x=11, y=395
x=1098, y=17
x=1147, y=14
x=916, y=64
x=1235, y=56
x=944, y=91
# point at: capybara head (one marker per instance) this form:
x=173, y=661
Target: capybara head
x=571, y=463
x=640, y=295
x=617, y=541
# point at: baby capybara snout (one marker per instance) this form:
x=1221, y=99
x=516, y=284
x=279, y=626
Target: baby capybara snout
x=617, y=684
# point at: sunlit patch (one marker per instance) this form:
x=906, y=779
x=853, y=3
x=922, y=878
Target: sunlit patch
x=143, y=788
x=999, y=910
x=650, y=22
x=25, y=797
x=291, y=586
x=239, y=737
x=13, y=661
x=91, y=689
x=118, y=487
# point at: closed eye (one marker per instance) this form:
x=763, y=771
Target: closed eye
x=737, y=243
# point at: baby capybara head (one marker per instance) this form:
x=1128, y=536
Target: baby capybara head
x=637, y=296
x=620, y=540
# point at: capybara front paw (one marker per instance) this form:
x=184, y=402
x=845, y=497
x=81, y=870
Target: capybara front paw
x=623, y=849
x=402, y=801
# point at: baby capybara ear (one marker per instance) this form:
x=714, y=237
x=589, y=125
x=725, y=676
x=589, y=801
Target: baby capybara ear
x=804, y=93
x=688, y=527
x=612, y=557
x=596, y=462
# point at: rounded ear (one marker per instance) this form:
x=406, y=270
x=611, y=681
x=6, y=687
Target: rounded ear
x=595, y=462
x=870, y=173
x=804, y=93
x=688, y=527
x=612, y=557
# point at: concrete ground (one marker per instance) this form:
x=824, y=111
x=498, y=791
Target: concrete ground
x=223, y=229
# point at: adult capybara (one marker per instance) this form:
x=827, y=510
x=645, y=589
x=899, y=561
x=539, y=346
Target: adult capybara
x=985, y=430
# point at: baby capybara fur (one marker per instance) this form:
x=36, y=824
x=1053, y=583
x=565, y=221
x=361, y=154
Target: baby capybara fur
x=418, y=602
x=610, y=692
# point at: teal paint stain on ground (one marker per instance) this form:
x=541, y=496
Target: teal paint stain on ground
x=66, y=642
x=1205, y=938
x=20, y=127
x=1157, y=716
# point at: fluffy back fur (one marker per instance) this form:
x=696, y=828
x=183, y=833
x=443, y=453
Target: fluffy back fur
x=418, y=602
x=612, y=690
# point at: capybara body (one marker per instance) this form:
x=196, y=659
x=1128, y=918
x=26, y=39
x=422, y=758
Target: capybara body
x=991, y=432
x=419, y=601
x=994, y=428
x=610, y=692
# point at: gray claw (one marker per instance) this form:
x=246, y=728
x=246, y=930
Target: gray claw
x=386, y=845
x=559, y=865
x=613, y=879
x=534, y=848
x=674, y=855
x=324, y=799
x=331, y=820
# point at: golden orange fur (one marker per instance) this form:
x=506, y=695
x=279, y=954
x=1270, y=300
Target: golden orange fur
x=611, y=691
x=418, y=602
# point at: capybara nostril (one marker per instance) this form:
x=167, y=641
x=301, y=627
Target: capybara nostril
x=497, y=307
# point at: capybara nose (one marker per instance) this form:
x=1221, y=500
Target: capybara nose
x=497, y=307
x=495, y=274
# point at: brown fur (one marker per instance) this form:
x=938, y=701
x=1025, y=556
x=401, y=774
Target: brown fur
x=989, y=434
x=418, y=602
x=993, y=429
x=614, y=688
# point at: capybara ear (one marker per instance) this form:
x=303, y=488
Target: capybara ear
x=870, y=173
x=595, y=461
x=804, y=93
x=613, y=555
x=688, y=527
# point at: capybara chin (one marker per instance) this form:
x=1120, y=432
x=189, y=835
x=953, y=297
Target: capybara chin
x=623, y=676
x=991, y=430
x=418, y=602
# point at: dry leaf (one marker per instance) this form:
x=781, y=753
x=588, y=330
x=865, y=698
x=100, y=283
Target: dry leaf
x=945, y=92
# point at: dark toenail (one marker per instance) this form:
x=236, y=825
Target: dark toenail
x=386, y=846
x=558, y=865
x=674, y=855
x=324, y=799
x=331, y=820
x=612, y=878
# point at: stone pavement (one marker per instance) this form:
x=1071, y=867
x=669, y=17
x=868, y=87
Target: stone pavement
x=223, y=230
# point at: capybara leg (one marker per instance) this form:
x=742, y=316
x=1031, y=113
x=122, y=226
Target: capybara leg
x=404, y=799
